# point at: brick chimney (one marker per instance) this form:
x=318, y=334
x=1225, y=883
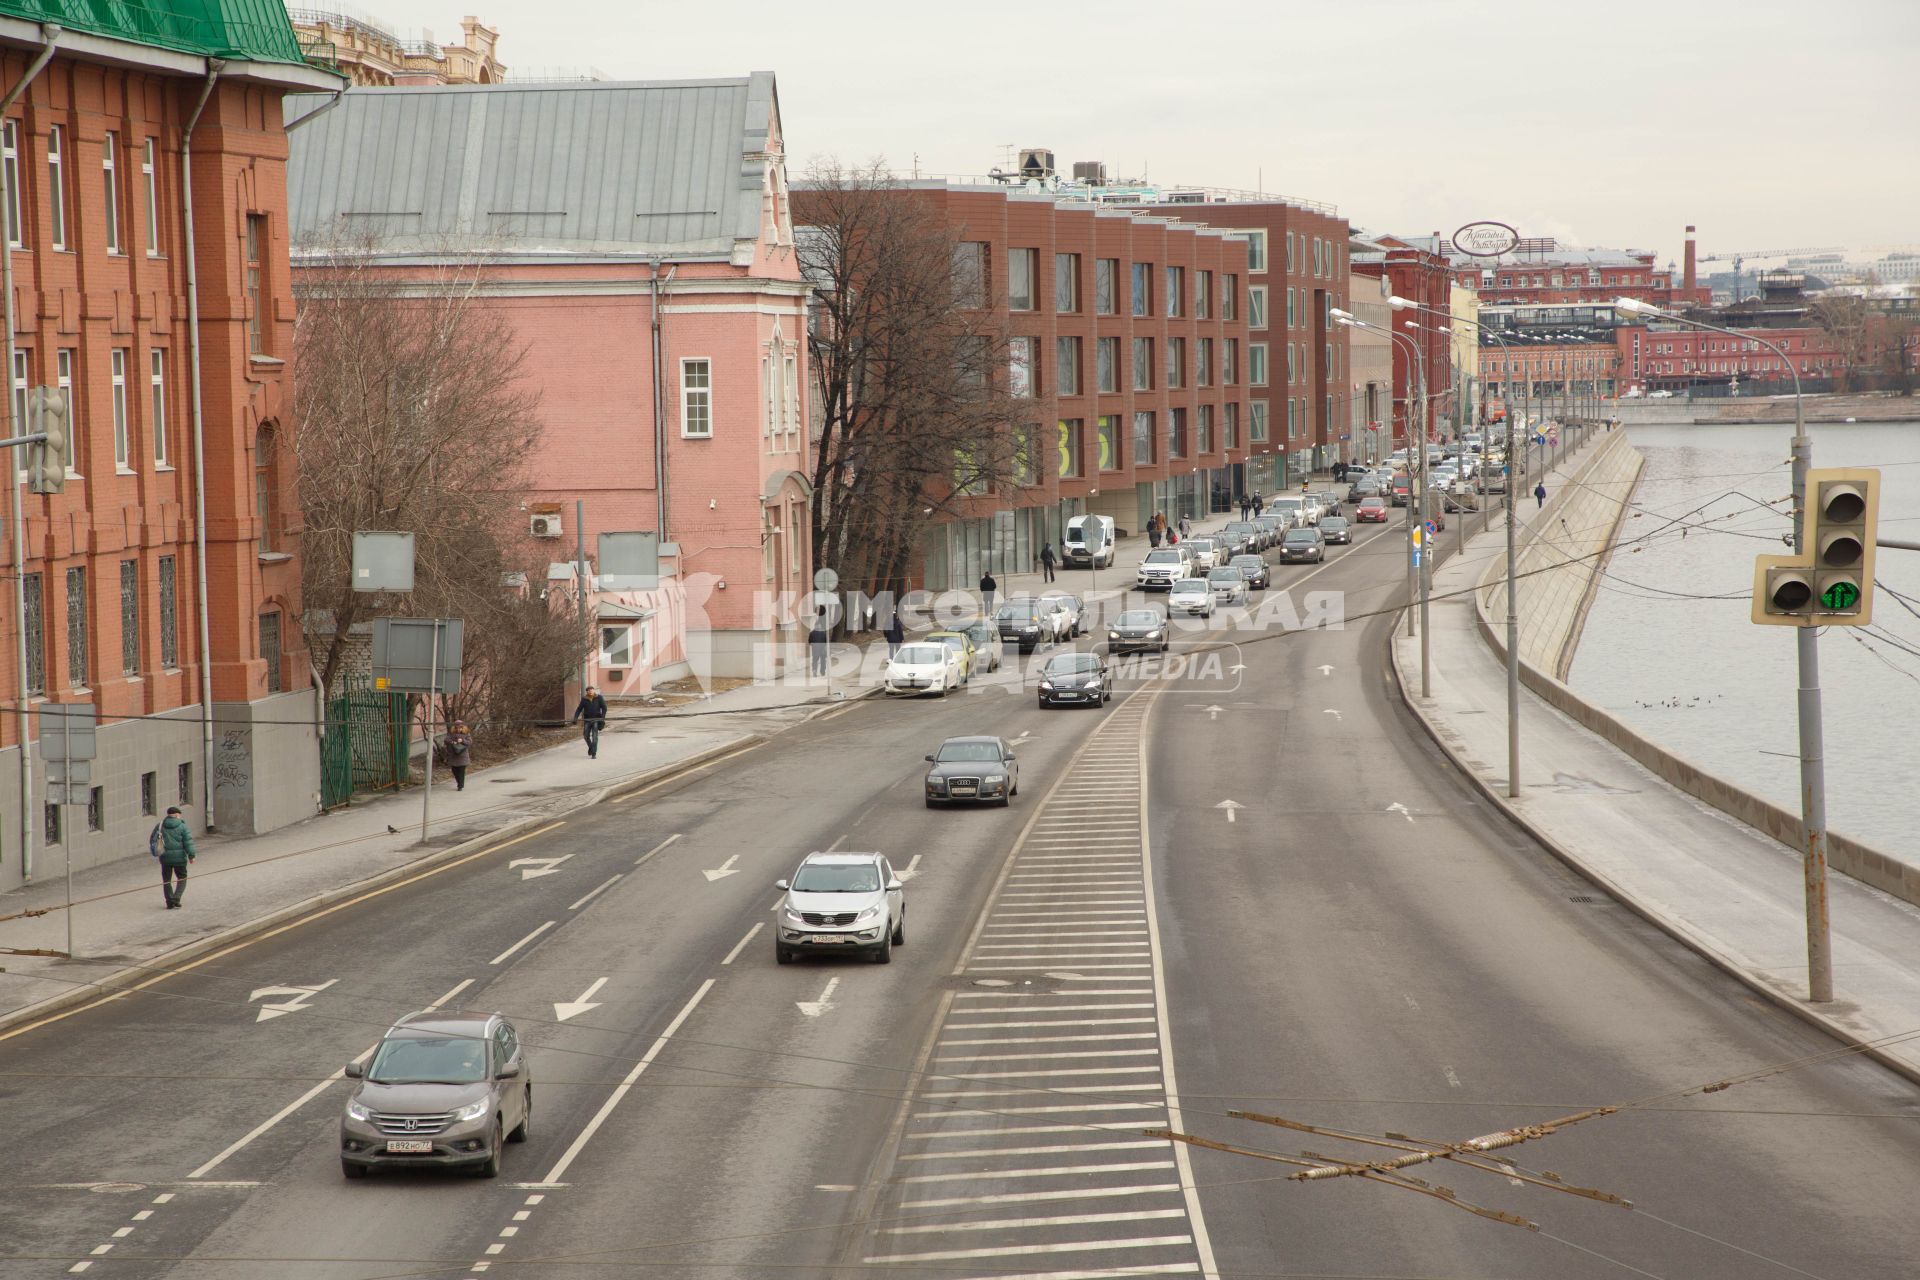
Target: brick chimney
x=1687, y=281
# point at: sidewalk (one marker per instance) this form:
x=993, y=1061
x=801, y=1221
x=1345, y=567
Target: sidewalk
x=241, y=885
x=1722, y=888
x=1108, y=584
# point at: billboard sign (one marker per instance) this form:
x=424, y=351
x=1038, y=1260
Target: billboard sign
x=1485, y=239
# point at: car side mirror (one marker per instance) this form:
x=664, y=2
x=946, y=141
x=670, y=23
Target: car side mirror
x=509, y=1072
x=893, y=886
x=354, y=1071
x=1011, y=757
x=781, y=884
x=929, y=759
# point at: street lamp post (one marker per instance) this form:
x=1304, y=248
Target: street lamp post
x=1813, y=768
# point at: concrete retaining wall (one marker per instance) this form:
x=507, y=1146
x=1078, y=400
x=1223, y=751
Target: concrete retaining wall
x=1550, y=630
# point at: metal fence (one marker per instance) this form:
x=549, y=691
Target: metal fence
x=365, y=745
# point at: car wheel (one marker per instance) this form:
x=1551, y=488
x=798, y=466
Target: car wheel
x=784, y=954
x=932, y=803
x=490, y=1167
x=525, y=1128
x=1006, y=800
x=883, y=954
x=348, y=1169
x=900, y=929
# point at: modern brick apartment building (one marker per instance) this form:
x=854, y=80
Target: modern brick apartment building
x=1130, y=338
x=1421, y=275
x=113, y=603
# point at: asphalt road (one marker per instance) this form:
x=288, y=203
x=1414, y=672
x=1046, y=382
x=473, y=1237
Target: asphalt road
x=975, y=1108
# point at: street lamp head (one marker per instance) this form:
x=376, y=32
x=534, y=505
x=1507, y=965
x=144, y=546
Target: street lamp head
x=1399, y=303
x=1338, y=314
x=1344, y=321
x=1633, y=306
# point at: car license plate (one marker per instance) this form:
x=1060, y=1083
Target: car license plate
x=827, y=938
x=965, y=791
x=409, y=1146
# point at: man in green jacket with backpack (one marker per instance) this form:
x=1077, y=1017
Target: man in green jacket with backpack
x=172, y=843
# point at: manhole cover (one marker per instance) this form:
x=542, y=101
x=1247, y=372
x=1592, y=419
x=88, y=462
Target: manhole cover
x=506, y=779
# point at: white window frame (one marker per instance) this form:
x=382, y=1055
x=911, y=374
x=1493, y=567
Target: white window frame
x=609, y=658
x=157, y=380
x=1257, y=306
x=108, y=147
x=121, y=444
x=57, y=183
x=1257, y=373
x=152, y=181
x=1256, y=251
x=21, y=364
x=790, y=398
x=769, y=416
x=63, y=364
x=691, y=395
x=10, y=157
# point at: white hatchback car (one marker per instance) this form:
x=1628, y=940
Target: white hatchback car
x=1191, y=596
x=925, y=668
x=849, y=902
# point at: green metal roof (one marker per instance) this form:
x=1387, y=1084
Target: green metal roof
x=255, y=30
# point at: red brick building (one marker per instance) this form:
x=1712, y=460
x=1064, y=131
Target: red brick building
x=1679, y=358
x=113, y=595
x=1552, y=378
x=1423, y=276
x=1540, y=271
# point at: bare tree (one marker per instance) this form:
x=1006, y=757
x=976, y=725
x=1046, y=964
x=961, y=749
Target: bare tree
x=1844, y=319
x=912, y=415
x=413, y=414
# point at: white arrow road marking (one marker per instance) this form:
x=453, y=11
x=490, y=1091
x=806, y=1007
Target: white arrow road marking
x=1402, y=810
x=300, y=997
x=1024, y=735
x=1229, y=806
x=574, y=1008
x=1238, y=667
x=1331, y=712
x=1213, y=713
x=724, y=870
x=909, y=871
x=814, y=1008
x=1325, y=670
x=538, y=866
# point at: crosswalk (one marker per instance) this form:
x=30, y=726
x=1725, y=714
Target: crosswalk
x=1023, y=1145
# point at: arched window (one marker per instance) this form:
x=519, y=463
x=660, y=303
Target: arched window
x=265, y=510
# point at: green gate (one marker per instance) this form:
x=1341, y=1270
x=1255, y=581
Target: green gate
x=365, y=745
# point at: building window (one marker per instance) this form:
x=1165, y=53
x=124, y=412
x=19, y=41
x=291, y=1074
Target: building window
x=1020, y=380
x=1023, y=266
x=270, y=649
x=169, y=615
x=792, y=370
x=1203, y=430
x=1142, y=438
x=63, y=375
x=56, y=183
x=1256, y=306
x=1070, y=447
x=97, y=809
x=1108, y=427
x=1293, y=316
x=1143, y=364
x=1203, y=362
x=184, y=777
x=1026, y=454
x=256, y=319
x=52, y=836
x=1229, y=297
x=1106, y=286
x=120, y=408
x=152, y=182
x=108, y=147
x=616, y=646
x=157, y=377
x=1177, y=433
x=696, y=398
x=1257, y=420
x=1256, y=250
x=149, y=793
x=1290, y=255
x=1203, y=295
x=263, y=488
x=1107, y=364
x=1256, y=364
x=1143, y=288
x=77, y=627
x=970, y=274
x=1231, y=424
x=1067, y=361
x=1176, y=362
x=1230, y=362
x=1066, y=282
x=1293, y=362
x=129, y=617
x=10, y=157
x=36, y=629
x=1176, y=290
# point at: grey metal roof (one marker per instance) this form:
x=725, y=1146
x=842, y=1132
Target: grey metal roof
x=632, y=169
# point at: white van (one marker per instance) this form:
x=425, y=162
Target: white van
x=1089, y=542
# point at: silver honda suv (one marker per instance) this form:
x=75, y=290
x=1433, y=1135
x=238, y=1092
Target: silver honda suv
x=441, y=1089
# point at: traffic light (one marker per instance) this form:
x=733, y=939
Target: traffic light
x=47, y=459
x=1830, y=583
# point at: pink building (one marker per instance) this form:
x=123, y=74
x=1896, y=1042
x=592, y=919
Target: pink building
x=638, y=239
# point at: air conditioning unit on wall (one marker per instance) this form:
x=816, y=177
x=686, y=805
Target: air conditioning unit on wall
x=546, y=526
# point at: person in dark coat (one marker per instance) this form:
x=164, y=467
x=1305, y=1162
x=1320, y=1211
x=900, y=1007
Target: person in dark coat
x=1259, y=504
x=592, y=714
x=459, y=748
x=817, y=645
x=172, y=843
x=1540, y=494
x=1047, y=561
x=895, y=633
x=987, y=587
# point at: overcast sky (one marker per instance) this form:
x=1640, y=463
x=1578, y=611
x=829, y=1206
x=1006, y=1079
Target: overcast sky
x=1769, y=123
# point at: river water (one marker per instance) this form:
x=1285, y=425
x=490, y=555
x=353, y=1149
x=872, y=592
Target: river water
x=1691, y=671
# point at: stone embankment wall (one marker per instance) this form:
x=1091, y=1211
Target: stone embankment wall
x=1565, y=544
x=1741, y=409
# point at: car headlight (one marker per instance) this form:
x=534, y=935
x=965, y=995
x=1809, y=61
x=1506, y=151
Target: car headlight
x=996, y=777
x=1047, y=685
x=871, y=913
x=357, y=1111
x=474, y=1110
x=1113, y=635
x=791, y=916
x=1152, y=635
x=936, y=784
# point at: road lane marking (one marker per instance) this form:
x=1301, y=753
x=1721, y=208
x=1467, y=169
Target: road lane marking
x=338, y=1073
x=574, y=1008
x=1104, y=1038
x=741, y=945
x=814, y=1008
x=460, y=986
x=613, y=1100
x=1076, y=1193
x=641, y=861
x=592, y=893
x=1058, y=1022
x=1061, y=1149
x=1027, y=1091
x=1452, y=1079
x=523, y=942
x=1070, y=1108
x=1056, y=1171
x=1010, y=1224
x=1045, y=1057
x=724, y=870
x=1004, y=1251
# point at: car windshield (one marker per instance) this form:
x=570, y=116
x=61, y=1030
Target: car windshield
x=921, y=655
x=951, y=642
x=1298, y=536
x=1374, y=503
x=1247, y=562
x=1138, y=618
x=979, y=632
x=1076, y=534
x=442, y=1059
x=1287, y=504
x=836, y=877
x=1163, y=556
x=968, y=751
x=1060, y=602
x=1020, y=612
x=1334, y=522
x=1224, y=575
x=1068, y=663
x=1190, y=584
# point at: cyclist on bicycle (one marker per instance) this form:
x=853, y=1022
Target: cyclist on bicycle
x=592, y=711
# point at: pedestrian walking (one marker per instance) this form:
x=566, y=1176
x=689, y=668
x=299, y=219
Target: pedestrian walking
x=896, y=635
x=1540, y=494
x=1186, y=527
x=987, y=587
x=1259, y=504
x=172, y=843
x=1047, y=561
x=1153, y=532
x=459, y=748
x=1246, y=506
x=817, y=645
x=592, y=715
